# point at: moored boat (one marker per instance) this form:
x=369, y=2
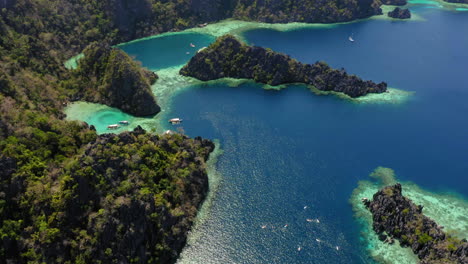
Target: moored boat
x=175, y=120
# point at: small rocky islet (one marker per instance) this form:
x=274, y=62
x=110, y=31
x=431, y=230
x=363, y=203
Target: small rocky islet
x=400, y=13
x=397, y=217
x=230, y=58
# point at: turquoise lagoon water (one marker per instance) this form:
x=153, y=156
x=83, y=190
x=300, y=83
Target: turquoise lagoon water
x=165, y=51
x=291, y=155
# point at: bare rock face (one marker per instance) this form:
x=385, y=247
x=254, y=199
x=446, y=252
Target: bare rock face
x=228, y=57
x=399, y=218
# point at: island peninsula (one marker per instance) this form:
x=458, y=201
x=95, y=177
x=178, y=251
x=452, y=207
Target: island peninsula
x=228, y=57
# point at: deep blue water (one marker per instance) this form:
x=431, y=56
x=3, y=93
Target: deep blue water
x=287, y=149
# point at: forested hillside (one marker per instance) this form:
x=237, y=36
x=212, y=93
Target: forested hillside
x=68, y=195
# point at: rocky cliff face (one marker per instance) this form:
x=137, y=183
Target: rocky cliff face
x=109, y=76
x=399, y=218
x=228, y=57
x=400, y=13
x=127, y=198
x=278, y=11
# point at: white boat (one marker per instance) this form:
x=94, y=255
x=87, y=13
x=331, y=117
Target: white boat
x=175, y=120
x=192, y=45
x=299, y=248
x=114, y=126
x=124, y=122
x=351, y=38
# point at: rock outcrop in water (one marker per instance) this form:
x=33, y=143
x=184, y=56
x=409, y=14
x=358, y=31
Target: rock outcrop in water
x=399, y=218
x=228, y=57
x=400, y=13
x=109, y=76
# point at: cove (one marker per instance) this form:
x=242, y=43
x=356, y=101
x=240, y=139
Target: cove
x=167, y=50
x=291, y=155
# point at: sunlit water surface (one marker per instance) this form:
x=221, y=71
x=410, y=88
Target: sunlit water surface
x=291, y=155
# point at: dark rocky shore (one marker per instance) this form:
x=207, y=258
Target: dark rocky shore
x=228, y=57
x=400, y=13
x=397, y=217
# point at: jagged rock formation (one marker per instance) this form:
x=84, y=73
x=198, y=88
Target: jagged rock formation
x=109, y=76
x=228, y=57
x=400, y=13
x=127, y=198
x=399, y=218
x=77, y=23
x=278, y=11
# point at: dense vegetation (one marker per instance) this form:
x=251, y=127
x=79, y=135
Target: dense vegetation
x=399, y=218
x=109, y=76
x=124, y=198
x=228, y=57
x=314, y=11
x=67, y=195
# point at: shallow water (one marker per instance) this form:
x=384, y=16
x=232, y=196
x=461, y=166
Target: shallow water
x=287, y=149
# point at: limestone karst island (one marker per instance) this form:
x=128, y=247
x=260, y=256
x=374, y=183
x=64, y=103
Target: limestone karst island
x=233, y=131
